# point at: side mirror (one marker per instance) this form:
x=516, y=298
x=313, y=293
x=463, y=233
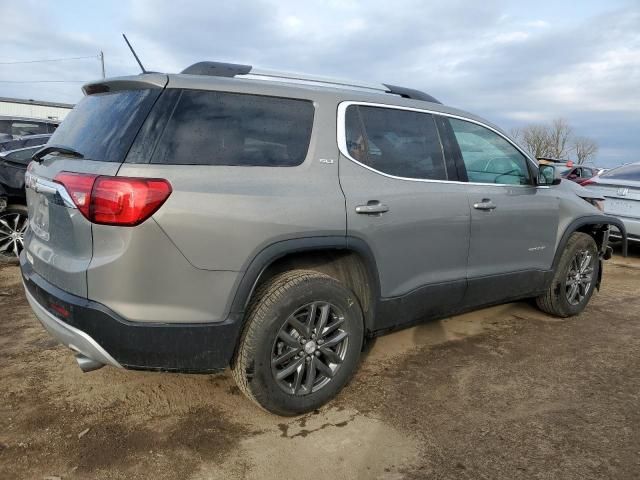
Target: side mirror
x=547, y=175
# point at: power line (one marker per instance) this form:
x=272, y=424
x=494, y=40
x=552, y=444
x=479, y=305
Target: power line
x=48, y=60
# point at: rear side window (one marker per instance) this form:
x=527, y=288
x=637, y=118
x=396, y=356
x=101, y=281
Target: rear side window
x=488, y=157
x=401, y=143
x=28, y=128
x=222, y=128
x=103, y=126
x=626, y=172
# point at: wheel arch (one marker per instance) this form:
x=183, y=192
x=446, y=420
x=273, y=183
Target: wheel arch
x=348, y=259
x=592, y=225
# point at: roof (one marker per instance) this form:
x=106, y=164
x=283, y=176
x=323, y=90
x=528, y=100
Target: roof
x=42, y=103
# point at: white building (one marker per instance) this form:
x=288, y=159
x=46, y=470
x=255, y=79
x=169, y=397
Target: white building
x=15, y=107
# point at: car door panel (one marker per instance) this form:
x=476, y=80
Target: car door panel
x=422, y=240
x=513, y=224
x=417, y=228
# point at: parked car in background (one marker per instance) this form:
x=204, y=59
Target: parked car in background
x=578, y=174
x=26, y=141
x=621, y=189
x=13, y=210
x=569, y=169
x=12, y=127
x=218, y=218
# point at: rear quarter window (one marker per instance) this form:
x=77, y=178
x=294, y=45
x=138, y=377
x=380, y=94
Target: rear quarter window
x=235, y=129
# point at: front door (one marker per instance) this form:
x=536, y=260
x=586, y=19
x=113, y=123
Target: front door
x=514, y=223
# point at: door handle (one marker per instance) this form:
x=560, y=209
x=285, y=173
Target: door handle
x=373, y=207
x=485, y=204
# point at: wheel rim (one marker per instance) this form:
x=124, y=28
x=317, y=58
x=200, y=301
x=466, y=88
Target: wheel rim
x=309, y=349
x=579, y=277
x=12, y=228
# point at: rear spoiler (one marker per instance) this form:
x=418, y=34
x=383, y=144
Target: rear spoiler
x=133, y=82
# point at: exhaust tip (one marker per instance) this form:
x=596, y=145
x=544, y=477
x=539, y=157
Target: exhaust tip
x=87, y=364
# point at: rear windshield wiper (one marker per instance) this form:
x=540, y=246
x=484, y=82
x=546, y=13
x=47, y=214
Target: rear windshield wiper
x=39, y=155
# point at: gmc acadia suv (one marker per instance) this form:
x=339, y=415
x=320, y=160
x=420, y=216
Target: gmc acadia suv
x=271, y=223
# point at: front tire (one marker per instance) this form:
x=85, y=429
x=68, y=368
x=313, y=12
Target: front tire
x=575, y=278
x=301, y=342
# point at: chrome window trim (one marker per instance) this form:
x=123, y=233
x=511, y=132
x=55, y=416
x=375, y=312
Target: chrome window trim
x=342, y=143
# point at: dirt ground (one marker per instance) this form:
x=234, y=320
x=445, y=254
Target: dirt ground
x=502, y=393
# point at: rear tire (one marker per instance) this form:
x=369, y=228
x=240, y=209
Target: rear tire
x=301, y=342
x=574, y=279
x=13, y=224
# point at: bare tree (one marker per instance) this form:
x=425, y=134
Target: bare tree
x=535, y=139
x=559, y=138
x=585, y=149
x=555, y=140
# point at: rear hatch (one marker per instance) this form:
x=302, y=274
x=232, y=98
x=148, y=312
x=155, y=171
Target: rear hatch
x=621, y=189
x=100, y=129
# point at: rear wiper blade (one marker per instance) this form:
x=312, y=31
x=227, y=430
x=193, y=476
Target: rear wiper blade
x=39, y=155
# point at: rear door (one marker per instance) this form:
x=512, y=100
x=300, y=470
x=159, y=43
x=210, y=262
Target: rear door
x=101, y=128
x=404, y=201
x=514, y=223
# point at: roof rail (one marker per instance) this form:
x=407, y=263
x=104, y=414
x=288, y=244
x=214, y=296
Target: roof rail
x=221, y=69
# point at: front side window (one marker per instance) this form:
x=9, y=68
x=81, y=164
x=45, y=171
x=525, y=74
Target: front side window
x=488, y=157
x=234, y=129
x=401, y=143
x=587, y=173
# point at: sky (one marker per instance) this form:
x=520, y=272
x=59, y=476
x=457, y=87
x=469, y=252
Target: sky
x=514, y=63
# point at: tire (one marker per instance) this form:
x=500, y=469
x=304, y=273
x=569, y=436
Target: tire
x=561, y=299
x=277, y=319
x=12, y=220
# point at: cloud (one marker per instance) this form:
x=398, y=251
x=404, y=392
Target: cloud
x=512, y=66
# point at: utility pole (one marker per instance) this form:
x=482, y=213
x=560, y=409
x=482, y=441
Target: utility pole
x=101, y=56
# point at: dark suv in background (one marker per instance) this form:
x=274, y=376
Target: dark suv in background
x=272, y=223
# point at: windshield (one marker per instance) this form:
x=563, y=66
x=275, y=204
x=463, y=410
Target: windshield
x=103, y=126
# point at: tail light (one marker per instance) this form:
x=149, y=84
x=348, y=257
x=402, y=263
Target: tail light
x=123, y=201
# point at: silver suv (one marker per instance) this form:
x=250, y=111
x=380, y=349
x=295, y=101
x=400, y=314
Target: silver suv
x=272, y=223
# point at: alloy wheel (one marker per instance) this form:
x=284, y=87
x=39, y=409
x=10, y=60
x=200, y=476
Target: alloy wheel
x=12, y=228
x=579, y=277
x=309, y=348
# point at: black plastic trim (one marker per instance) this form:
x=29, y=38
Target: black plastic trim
x=590, y=220
x=277, y=250
x=217, y=69
x=179, y=347
x=411, y=93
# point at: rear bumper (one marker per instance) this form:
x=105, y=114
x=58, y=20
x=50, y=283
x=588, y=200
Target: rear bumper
x=75, y=339
x=98, y=333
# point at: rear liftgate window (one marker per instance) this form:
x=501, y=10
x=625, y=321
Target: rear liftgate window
x=102, y=126
x=220, y=128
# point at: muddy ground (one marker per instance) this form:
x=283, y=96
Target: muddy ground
x=503, y=393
